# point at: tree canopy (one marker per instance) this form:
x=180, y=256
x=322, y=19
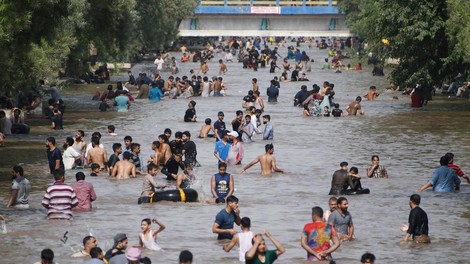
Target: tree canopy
x=40, y=38
x=430, y=38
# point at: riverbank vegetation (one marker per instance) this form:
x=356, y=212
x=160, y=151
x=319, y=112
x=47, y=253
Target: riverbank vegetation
x=430, y=38
x=51, y=38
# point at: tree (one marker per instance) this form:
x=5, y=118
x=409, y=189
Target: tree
x=416, y=32
x=160, y=20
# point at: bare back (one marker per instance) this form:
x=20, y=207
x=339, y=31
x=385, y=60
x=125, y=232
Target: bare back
x=98, y=155
x=123, y=170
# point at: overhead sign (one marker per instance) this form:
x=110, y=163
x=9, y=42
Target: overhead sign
x=265, y=10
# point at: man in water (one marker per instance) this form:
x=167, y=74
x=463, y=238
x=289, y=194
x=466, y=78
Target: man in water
x=124, y=169
x=189, y=149
x=223, y=225
x=219, y=126
x=97, y=155
x=222, y=148
x=268, y=133
x=332, y=204
x=355, y=107
x=443, y=178
x=54, y=156
x=372, y=94
x=341, y=220
x=418, y=222
x=20, y=188
x=267, y=162
x=59, y=198
x=222, y=184
x=272, y=92
x=235, y=154
x=89, y=242
x=341, y=180
x=316, y=237
x=121, y=102
x=84, y=191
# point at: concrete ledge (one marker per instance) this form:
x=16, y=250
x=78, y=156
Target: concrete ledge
x=264, y=33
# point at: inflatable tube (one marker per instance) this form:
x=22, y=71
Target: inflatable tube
x=362, y=191
x=175, y=195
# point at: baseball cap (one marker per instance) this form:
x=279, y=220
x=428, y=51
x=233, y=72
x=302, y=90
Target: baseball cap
x=233, y=133
x=119, y=237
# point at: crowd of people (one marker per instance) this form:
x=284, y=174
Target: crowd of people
x=175, y=158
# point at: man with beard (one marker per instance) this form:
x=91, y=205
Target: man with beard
x=54, y=156
x=342, y=221
x=189, y=149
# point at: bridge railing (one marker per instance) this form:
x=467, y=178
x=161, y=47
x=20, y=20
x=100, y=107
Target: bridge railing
x=267, y=3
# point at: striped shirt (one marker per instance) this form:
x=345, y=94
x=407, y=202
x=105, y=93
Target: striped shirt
x=59, y=200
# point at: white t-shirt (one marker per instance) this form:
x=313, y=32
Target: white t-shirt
x=69, y=156
x=159, y=63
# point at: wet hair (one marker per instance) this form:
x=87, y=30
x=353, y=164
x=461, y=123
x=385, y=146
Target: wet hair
x=95, y=252
x=375, y=156
x=303, y=87
x=135, y=145
x=372, y=87
x=96, y=135
x=94, y=166
x=205, y=79
x=111, y=127
x=267, y=117
x=450, y=156
x=208, y=121
x=186, y=256
x=343, y=164
x=193, y=103
x=178, y=134
x=245, y=222
x=444, y=161
x=58, y=174
x=79, y=176
x=126, y=155
x=268, y=147
x=47, y=255
x=128, y=138
x=146, y=260
x=85, y=239
x=95, y=141
x=151, y=166
x=116, y=146
x=222, y=165
x=147, y=220
x=415, y=198
x=354, y=170
x=358, y=98
x=187, y=133
x=18, y=169
x=167, y=131
x=341, y=200
x=306, y=106
x=258, y=111
x=254, y=80
x=239, y=112
x=232, y=199
x=317, y=211
x=82, y=133
x=69, y=141
x=164, y=137
x=367, y=257
x=51, y=139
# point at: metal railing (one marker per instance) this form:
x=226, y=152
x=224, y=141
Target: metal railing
x=278, y=3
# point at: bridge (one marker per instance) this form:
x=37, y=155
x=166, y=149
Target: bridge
x=314, y=18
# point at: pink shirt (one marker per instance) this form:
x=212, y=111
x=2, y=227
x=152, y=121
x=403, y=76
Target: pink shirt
x=85, y=194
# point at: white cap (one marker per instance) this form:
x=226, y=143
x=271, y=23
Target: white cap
x=233, y=133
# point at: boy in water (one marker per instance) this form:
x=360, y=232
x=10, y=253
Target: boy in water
x=206, y=128
x=148, y=237
x=243, y=239
x=111, y=129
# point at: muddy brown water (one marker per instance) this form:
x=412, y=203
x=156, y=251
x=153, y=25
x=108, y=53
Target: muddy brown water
x=409, y=142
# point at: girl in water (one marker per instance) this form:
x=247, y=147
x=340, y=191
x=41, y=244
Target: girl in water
x=148, y=237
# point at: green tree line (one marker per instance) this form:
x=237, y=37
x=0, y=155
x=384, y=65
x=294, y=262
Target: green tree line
x=39, y=38
x=430, y=38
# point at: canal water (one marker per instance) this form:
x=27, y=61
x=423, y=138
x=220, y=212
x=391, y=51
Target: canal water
x=309, y=149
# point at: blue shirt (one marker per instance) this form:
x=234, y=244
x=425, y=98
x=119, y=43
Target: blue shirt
x=225, y=220
x=268, y=131
x=121, y=103
x=222, y=149
x=155, y=94
x=443, y=179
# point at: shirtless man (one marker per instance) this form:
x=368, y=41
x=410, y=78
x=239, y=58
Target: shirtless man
x=267, y=162
x=206, y=128
x=168, y=85
x=165, y=149
x=97, y=155
x=372, y=94
x=155, y=157
x=124, y=168
x=355, y=107
x=222, y=67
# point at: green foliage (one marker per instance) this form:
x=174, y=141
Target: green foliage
x=429, y=37
x=160, y=21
